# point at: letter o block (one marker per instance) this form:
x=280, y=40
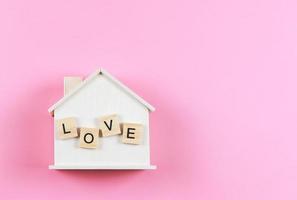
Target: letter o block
x=66, y=128
x=132, y=133
x=88, y=138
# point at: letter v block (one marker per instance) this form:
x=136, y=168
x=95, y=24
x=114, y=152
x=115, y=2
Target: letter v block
x=109, y=125
x=66, y=128
x=132, y=133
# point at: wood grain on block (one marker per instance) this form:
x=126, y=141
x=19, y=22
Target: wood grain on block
x=132, y=133
x=66, y=128
x=109, y=125
x=70, y=83
x=88, y=138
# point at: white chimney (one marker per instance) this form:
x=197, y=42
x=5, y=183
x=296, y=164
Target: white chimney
x=70, y=83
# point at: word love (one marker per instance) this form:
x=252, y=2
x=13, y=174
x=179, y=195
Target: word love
x=108, y=126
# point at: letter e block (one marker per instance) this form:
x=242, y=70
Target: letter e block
x=88, y=138
x=132, y=133
x=66, y=128
x=109, y=125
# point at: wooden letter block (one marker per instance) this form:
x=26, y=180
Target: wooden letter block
x=132, y=133
x=109, y=125
x=88, y=138
x=66, y=128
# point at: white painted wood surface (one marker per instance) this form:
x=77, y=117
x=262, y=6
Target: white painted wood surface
x=98, y=98
x=110, y=78
x=102, y=167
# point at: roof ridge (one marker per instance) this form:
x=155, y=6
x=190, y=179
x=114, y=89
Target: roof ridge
x=112, y=79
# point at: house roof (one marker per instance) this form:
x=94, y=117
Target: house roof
x=112, y=79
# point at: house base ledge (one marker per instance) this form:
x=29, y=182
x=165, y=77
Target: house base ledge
x=102, y=167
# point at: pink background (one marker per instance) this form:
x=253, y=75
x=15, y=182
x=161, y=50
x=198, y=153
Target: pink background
x=221, y=73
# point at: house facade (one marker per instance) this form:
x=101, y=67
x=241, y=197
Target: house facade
x=99, y=95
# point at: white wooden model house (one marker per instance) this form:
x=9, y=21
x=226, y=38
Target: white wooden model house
x=100, y=124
